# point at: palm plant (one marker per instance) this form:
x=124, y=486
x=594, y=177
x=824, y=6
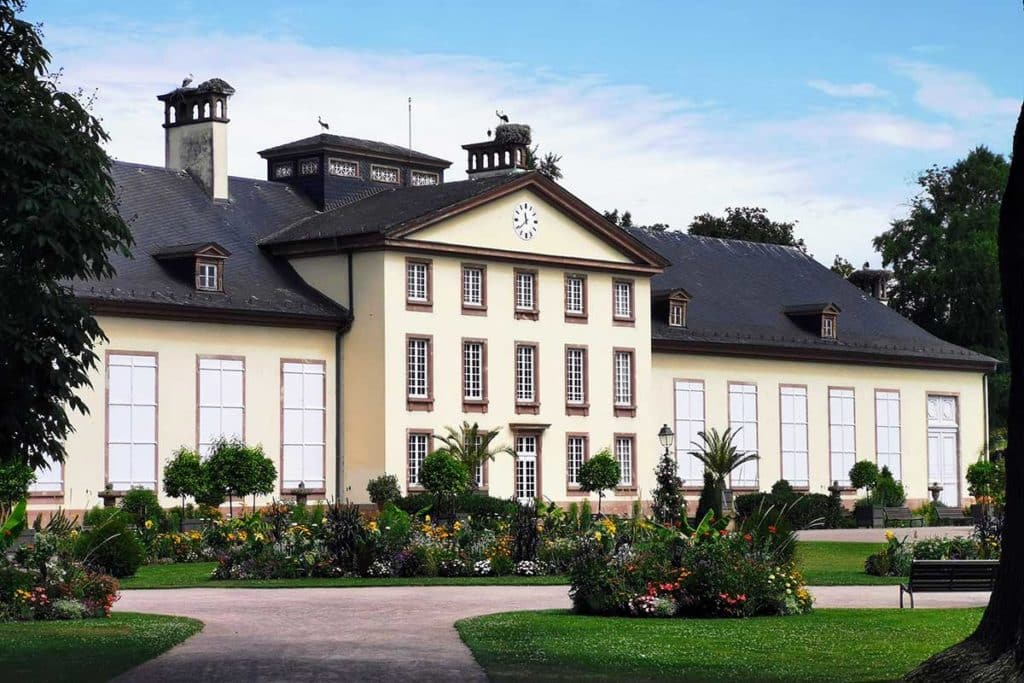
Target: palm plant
x=720, y=457
x=472, y=445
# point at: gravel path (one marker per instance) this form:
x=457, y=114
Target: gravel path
x=371, y=634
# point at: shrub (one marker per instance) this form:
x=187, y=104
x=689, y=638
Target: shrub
x=783, y=489
x=599, y=474
x=383, y=489
x=710, y=498
x=669, y=505
x=184, y=476
x=986, y=481
x=863, y=474
x=112, y=545
x=142, y=506
x=888, y=492
x=446, y=477
x=834, y=512
x=525, y=535
x=236, y=469
x=342, y=534
x=802, y=511
x=67, y=609
x=15, y=478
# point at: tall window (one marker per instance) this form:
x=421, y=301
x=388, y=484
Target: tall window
x=842, y=434
x=689, y=423
x=622, y=300
x=575, y=456
x=131, y=421
x=575, y=376
x=793, y=412
x=221, y=401
x=526, y=375
x=887, y=429
x=418, y=371
x=473, y=386
x=526, y=467
x=677, y=314
x=417, y=283
x=575, y=297
x=625, y=401
x=526, y=294
x=624, y=456
x=49, y=479
x=417, y=446
x=303, y=437
x=743, y=421
x=473, y=292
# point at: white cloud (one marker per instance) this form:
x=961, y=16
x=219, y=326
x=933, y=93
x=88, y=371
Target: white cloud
x=957, y=94
x=624, y=146
x=867, y=90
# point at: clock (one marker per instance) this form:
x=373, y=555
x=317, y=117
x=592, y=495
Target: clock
x=524, y=221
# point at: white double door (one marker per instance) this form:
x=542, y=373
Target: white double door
x=943, y=438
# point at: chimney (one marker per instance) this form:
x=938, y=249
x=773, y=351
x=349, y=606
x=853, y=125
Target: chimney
x=873, y=281
x=196, y=133
x=506, y=153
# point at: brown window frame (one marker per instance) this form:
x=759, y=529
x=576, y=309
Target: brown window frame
x=631, y=437
x=834, y=319
x=570, y=488
x=526, y=407
x=681, y=307
x=572, y=316
x=217, y=263
x=625, y=410
x=474, y=405
x=414, y=304
x=630, y=320
x=474, y=309
x=526, y=313
x=577, y=409
x=420, y=403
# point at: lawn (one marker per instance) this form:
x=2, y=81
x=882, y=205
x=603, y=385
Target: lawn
x=833, y=563
x=87, y=649
x=826, y=645
x=823, y=563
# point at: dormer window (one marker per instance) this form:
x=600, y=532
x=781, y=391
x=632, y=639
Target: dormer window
x=384, y=174
x=208, y=276
x=828, y=326
x=670, y=305
x=309, y=166
x=420, y=178
x=677, y=314
x=343, y=168
x=285, y=170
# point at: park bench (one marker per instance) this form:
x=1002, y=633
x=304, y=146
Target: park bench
x=901, y=515
x=951, y=515
x=949, y=576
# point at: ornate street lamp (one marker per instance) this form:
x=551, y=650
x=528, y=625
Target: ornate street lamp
x=666, y=437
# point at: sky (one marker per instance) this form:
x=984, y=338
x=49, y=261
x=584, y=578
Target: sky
x=823, y=113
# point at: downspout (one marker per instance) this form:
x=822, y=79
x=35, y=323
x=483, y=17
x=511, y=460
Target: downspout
x=984, y=391
x=339, y=397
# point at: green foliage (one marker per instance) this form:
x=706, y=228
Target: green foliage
x=599, y=474
x=895, y=559
x=343, y=532
x=986, y=480
x=446, y=477
x=929, y=512
x=470, y=503
x=472, y=445
x=749, y=224
x=782, y=488
x=111, y=545
x=15, y=478
x=383, y=489
x=13, y=524
x=236, y=469
x=835, y=513
x=547, y=164
x=625, y=220
x=719, y=455
x=669, y=505
x=710, y=497
x=183, y=474
x=888, y=492
x=142, y=505
x=944, y=256
x=841, y=267
x=525, y=534
x=863, y=474
x=805, y=511
x=58, y=224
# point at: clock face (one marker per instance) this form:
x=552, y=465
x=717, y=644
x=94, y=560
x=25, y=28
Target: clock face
x=524, y=221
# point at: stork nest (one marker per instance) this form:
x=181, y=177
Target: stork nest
x=512, y=134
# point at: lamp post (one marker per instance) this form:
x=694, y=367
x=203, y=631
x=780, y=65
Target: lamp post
x=666, y=436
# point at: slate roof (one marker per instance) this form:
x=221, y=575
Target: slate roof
x=166, y=208
x=387, y=209
x=371, y=147
x=741, y=292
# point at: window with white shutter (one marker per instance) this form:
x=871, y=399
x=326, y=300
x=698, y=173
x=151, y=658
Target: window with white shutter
x=743, y=421
x=49, y=479
x=131, y=420
x=303, y=440
x=793, y=412
x=221, y=401
x=842, y=434
x=689, y=424
x=887, y=428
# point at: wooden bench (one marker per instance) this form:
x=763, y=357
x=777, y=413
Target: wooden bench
x=901, y=515
x=951, y=515
x=949, y=576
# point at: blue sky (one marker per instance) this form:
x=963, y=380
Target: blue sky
x=821, y=111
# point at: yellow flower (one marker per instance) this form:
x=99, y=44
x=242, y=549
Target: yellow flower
x=149, y=524
x=597, y=535
x=426, y=518
x=889, y=535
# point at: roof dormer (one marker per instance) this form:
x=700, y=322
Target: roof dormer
x=820, y=319
x=203, y=261
x=671, y=306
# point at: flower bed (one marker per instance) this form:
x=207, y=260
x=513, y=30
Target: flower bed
x=895, y=559
x=647, y=570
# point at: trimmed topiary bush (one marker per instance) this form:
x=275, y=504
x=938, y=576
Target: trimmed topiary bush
x=383, y=489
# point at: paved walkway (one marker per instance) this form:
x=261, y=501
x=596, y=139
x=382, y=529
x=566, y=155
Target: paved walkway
x=371, y=634
x=878, y=535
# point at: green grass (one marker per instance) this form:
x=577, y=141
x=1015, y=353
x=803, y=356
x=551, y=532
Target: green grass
x=88, y=649
x=833, y=563
x=197, y=575
x=826, y=645
x=823, y=563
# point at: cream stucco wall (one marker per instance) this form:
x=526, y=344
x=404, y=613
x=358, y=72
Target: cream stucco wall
x=177, y=345
x=914, y=385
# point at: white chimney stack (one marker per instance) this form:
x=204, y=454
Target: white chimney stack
x=196, y=133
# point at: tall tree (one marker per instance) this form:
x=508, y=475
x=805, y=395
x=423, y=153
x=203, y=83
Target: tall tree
x=58, y=222
x=548, y=164
x=747, y=223
x=995, y=651
x=944, y=257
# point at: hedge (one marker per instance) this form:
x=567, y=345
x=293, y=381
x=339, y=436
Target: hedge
x=806, y=508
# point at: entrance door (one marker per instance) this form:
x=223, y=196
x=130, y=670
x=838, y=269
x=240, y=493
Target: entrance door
x=943, y=437
x=526, y=468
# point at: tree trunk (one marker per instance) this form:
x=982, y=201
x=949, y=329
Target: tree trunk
x=995, y=651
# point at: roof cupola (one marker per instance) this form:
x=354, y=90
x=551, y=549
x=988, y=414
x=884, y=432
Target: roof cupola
x=508, y=152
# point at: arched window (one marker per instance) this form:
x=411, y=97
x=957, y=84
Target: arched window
x=172, y=114
x=206, y=110
x=508, y=157
x=220, y=109
x=195, y=112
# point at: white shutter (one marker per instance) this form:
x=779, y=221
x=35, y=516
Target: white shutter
x=304, y=425
x=842, y=434
x=887, y=431
x=743, y=422
x=793, y=408
x=689, y=423
x=131, y=421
